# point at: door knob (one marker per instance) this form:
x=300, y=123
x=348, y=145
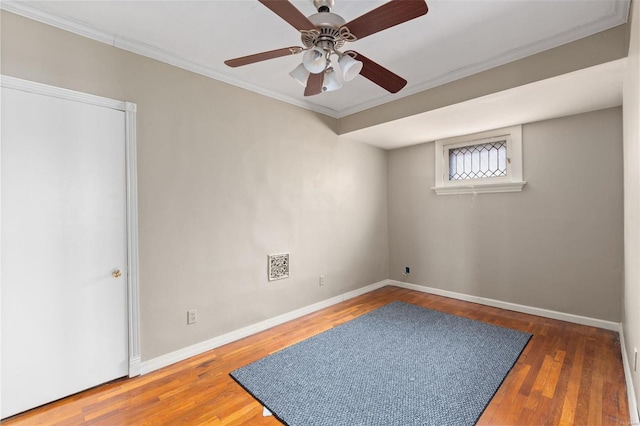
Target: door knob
x=116, y=273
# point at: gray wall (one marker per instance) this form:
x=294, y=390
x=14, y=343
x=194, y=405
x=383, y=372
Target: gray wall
x=557, y=245
x=631, y=105
x=225, y=177
x=596, y=49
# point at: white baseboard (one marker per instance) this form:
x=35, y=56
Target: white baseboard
x=207, y=345
x=134, y=366
x=577, y=319
x=184, y=353
x=631, y=394
x=137, y=367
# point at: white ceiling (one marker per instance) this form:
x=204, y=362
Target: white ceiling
x=455, y=39
x=589, y=89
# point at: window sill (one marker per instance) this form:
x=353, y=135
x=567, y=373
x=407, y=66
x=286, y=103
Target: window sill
x=480, y=189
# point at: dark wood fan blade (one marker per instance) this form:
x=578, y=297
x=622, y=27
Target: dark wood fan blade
x=290, y=13
x=314, y=84
x=257, y=57
x=379, y=74
x=386, y=16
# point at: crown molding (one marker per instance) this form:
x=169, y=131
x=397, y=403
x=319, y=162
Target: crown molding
x=171, y=59
x=76, y=27
x=618, y=15
x=65, y=23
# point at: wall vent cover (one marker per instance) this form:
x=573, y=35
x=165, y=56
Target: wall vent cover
x=278, y=266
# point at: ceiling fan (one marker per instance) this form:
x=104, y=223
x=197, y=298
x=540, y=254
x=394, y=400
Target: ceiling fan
x=324, y=33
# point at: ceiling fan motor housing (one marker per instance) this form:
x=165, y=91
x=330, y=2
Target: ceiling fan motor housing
x=328, y=34
x=323, y=5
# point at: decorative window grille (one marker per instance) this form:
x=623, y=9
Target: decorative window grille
x=485, y=160
x=278, y=266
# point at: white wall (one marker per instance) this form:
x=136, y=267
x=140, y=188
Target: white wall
x=631, y=107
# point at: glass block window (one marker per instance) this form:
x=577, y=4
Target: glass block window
x=485, y=160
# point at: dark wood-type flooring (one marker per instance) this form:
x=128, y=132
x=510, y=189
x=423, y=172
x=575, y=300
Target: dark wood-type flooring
x=567, y=374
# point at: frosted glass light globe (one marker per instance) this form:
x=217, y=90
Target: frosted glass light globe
x=314, y=60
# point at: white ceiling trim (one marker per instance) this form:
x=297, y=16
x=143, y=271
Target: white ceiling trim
x=171, y=59
x=67, y=24
x=618, y=14
x=73, y=26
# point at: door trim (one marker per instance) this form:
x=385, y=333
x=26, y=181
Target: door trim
x=130, y=110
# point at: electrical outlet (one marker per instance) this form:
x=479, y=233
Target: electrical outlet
x=321, y=281
x=406, y=272
x=192, y=316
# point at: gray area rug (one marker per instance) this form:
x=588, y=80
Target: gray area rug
x=398, y=365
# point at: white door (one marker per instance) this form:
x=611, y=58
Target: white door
x=64, y=307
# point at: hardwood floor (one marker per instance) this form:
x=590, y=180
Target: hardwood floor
x=567, y=374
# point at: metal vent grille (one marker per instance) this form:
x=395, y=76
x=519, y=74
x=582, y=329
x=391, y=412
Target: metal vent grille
x=278, y=266
x=483, y=160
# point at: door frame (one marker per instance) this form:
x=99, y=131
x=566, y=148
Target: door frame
x=130, y=109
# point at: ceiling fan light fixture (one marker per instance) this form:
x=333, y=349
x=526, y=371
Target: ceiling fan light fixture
x=350, y=67
x=300, y=74
x=331, y=81
x=324, y=34
x=314, y=60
